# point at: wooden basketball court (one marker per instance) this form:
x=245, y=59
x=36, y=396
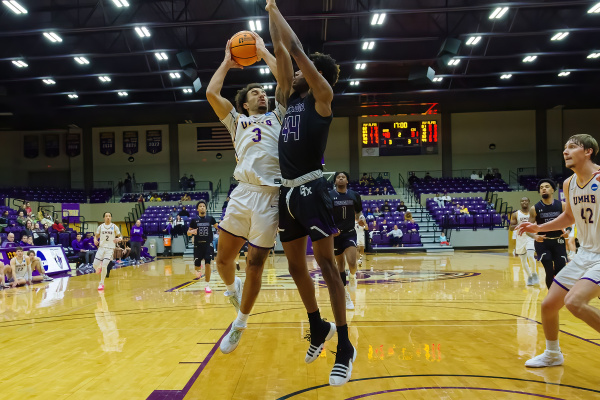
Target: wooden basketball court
x=455, y=326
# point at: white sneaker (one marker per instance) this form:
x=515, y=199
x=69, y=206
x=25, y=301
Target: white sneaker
x=341, y=373
x=530, y=280
x=232, y=339
x=349, y=303
x=352, y=280
x=235, y=298
x=535, y=279
x=47, y=278
x=548, y=358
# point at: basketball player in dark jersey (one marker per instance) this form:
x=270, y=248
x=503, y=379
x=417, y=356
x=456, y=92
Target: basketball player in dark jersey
x=347, y=210
x=549, y=246
x=305, y=208
x=201, y=228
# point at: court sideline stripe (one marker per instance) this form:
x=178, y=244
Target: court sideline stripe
x=361, y=396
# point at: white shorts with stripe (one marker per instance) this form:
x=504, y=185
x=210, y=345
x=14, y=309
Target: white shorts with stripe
x=585, y=265
x=104, y=253
x=253, y=214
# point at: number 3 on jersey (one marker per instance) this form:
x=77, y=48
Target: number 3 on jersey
x=291, y=126
x=258, y=135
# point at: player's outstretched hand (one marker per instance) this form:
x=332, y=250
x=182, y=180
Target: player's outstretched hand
x=230, y=62
x=261, y=50
x=270, y=4
x=525, y=227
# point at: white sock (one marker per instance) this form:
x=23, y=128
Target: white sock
x=231, y=288
x=523, y=258
x=552, y=345
x=241, y=319
x=353, y=276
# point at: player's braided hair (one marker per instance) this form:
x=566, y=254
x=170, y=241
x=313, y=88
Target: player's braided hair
x=327, y=65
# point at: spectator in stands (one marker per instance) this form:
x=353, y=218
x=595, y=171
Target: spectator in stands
x=28, y=228
x=376, y=191
x=225, y=203
x=411, y=224
x=497, y=174
x=137, y=238
x=412, y=179
x=370, y=192
x=490, y=205
x=78, y=246
x=178, y=226
x=10, y=241
x=21, y=219
x=184, y=212
x=28, y=209
x=446, y=199
x=384, y=191
x=443, y=239
x=47, y=220
x=369, y=215
x=4, y=220
x=364, y=181
x=58, y=227
x=183, y=182
x=457, y=208
x=376, y=212
x=474, y=175
x=428, y=177
x=155, y=197
x=480, y=175
x=39, y=235
x=396, y=235
x=384, y=226
x=23, y=241
x=386, y=207
x=489, y=176
x=401, y=207
x=141, y=198
x=192, y=182
x=173, y=214
x=379, y=179
x=186, y=197
x=91, y=248
x=169, y=226
x=464, y=210
x=371, y=180
x=29, y=240
x=164, y=196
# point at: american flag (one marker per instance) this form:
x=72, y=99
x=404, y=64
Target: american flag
x=213, y=138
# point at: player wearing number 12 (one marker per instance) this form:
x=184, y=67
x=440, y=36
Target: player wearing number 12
x=252, y=211
x=578, y=282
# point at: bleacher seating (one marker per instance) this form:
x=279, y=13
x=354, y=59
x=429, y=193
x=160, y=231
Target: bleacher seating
x=458, y=185
x=529, y=182
x=155, y=218
x=170, y=196
x=47, y=195
x=100, y=195
x=391, y=218
x=479, y=215
x=376, y=190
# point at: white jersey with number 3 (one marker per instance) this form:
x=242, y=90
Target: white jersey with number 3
x=255, y=139
x=108, y=234
x=585, y=204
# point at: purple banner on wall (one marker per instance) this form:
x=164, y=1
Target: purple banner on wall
x=31, y=146
x=73, y=142
x=153, y=141
x=51, y=145
x=107, y=143
x=130, y=142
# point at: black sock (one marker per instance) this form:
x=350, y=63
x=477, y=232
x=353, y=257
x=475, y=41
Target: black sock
x=343, y=276
x=314, y=318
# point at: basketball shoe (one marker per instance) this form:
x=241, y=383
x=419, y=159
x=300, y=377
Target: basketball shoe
x=535, y=279
x=349, y=303
x=235, y=298
x=232, y=339
x=530, y=280
x=548, y=358
x=318, y=337
x=342, y=368
x=100, y=287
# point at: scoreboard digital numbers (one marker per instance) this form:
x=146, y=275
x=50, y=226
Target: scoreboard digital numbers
x=402, y=138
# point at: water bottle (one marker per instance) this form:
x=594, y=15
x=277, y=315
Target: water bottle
x=51, y=240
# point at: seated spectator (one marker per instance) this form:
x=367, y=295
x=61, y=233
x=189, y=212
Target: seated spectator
x=371, y=180
x=141, y=198
x=173, y=214
x=28, y=228
x=4, y=220
x=480, y=175
x=376, y=212
x=364, y=181
x=464, y=210
x=91, y=248
x=474, y=175
x=489, y=176
x=186, y=197
x=386, y=207
x=369, y=215
x=58, y=227
x=376, y=192
x=79, y=248
x=155, y=197
x=21, y=219
x=396, y=235
x=457, y=208
x=184, y=212
x=121, y=251
x=402, y=207
x=165, y=196
x=178, y=226
x=384, y=226
x=373, y=230
x=427, y=177
x=183, y=182
x=379, y=179
x=36, y=265
x=47, y=221
x=497, y=174
x=169, y=226
x=39, y=235
x=192, y=183
x=385, y=191
x=370, y=192
x=412, y=179
x=30, y=240
x=489, y=205
x=23, y=241
x=446, y=199
x=443, y=239
x=411, y=224
x=10, y=241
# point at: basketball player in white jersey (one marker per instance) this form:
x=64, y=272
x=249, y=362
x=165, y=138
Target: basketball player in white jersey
x=253, y=210
x=19, y=271
x=360, y=245
x=107, y=237
x=524, y=248
x=577, y=283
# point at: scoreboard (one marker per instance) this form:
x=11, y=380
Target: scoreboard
x=400, y=138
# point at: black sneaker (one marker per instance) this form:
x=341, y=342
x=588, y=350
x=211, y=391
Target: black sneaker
x=342, y=368
x=317, y=341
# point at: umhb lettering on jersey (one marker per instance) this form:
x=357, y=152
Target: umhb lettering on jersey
x=586, y=211
x=584, y=199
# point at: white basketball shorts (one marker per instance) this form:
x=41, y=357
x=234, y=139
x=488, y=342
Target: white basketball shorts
x=585, y=265
x=104, y=253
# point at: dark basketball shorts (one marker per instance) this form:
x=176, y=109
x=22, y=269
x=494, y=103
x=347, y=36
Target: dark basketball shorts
x=203, y=251
x=343, y=241
x=552, y=249
x=306, y=210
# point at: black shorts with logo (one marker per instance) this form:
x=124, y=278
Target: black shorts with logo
x=343, y=241
x=306, y=210
x=552, y=250
x=203, y=251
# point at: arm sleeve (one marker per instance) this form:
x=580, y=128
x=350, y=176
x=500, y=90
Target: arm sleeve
x=230, y=122
x=212, y=221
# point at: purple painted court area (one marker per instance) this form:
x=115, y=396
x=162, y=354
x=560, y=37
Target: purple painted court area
x=180, y=394
x=362, y=396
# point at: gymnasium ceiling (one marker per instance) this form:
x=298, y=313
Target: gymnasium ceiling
x=409, y=38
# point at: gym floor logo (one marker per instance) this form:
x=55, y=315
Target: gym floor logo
x=374, y=277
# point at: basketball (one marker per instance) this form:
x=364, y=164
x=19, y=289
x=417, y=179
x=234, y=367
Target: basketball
x=243, y=48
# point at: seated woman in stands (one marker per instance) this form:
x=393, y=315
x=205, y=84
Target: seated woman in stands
x=396, y=235
x=178, y=226
x=411, y=224
x=384, y=225
x=369, y=215
x=141, y=198
x=169, y=226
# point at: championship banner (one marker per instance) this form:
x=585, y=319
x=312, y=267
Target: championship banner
x=31, y=146
x=51, y=145
x=153, y=142
x=130, y=142
x=107, y=143
x=73, y=144
x=53, y=258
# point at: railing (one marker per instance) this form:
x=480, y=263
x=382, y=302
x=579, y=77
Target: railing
x=467, y=172
x=214, y=197
x=513, y=177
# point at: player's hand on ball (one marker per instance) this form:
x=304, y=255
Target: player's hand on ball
x=229, y=61
x=261, y=50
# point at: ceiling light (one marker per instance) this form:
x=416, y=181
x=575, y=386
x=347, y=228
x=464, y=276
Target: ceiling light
x=378, y=19
x=438, y=79
x=454, y=61
x=142, y=31
x=187, y=90
x=264, y=71
x=354, y=83
x=564, y=73
x=104, y=78
x=20, y=64
x=123, y=94
x=255, y=25
x=506, y=76
x=82, y=60
x=73, y=96
x=368, y=45
x=161, y=56
x=121, y=3
x=175, y=75
x=560, y=36
x=529, y=58
x=361, y=66
x=473, y=40
x=594, y=55
x=48, y=81
x=53, y=37
x=15, y=7
x=498, y=13
x=594, y=10
x=268, y=87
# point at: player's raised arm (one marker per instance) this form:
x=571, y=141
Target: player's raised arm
x=220, y=105
x=285, y=70
x=321, y=89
